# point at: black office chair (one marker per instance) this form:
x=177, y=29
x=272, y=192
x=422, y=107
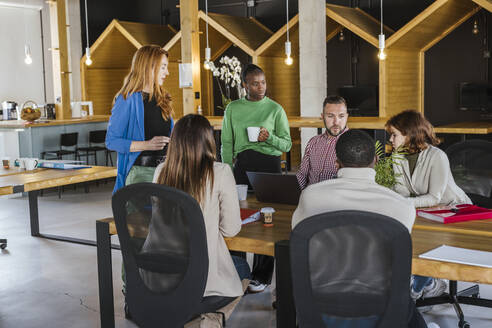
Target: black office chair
x=96, y=143
x=3, y=243
x=470, y=164
x=352, y=267
x=163, y=242
x=66, y=140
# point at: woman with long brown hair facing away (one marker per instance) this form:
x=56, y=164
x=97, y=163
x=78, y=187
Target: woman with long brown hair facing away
x=424, y=178
x=190, y=166
x=141, y=119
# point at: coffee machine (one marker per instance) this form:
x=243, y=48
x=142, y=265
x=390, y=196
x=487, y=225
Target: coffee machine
x=9, y=110
x=50, y=111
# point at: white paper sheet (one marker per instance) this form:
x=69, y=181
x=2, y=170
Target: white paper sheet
x=459, y=255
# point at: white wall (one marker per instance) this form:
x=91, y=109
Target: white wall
x=20, y=82
x=28, y=83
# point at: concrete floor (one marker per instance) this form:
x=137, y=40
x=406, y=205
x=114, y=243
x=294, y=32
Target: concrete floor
x=47, y=283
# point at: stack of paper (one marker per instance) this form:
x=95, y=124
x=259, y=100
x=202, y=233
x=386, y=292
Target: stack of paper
x=459, y=255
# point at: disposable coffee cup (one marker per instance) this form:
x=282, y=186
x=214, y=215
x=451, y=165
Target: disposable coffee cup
x=267, y=216
x=253, y=133
x=242, y=191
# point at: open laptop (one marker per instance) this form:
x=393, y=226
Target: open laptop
x=275, y=187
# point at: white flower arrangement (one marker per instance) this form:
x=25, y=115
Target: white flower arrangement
x=230, y=72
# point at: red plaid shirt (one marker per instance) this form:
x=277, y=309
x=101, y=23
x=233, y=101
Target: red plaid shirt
x=318, y=163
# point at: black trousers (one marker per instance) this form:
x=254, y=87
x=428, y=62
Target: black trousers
x=253, y=161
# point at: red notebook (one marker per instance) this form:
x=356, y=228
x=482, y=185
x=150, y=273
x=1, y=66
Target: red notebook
x=459, y=213
x=248, y=215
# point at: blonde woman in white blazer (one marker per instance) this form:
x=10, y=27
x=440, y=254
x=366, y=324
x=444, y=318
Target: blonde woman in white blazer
x=424, y=177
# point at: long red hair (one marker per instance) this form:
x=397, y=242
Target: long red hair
x=144, y=72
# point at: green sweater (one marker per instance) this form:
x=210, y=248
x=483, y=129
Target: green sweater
x=241, y=114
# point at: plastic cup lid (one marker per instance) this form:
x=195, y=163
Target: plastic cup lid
x=267, y=210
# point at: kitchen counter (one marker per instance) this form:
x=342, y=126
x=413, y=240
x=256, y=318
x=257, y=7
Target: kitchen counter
x=21, y=124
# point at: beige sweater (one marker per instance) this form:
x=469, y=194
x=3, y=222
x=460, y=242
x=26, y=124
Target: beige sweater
x=432, y=180
x=222, y=219
x=354, y=189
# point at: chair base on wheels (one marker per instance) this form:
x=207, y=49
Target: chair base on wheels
x=470, y=296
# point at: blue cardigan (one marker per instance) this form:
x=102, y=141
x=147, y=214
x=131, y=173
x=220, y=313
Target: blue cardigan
x=126, y=124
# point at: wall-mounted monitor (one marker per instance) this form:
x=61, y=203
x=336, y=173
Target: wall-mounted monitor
x=361, y=100
x=475, y=96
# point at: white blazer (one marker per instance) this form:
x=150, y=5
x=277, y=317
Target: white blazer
x=432, y=181
x=222, y=217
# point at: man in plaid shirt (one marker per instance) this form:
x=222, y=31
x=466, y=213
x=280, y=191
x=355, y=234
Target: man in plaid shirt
x=318, y=163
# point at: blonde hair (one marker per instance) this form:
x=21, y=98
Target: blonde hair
x=144, y=72
x=189, y=164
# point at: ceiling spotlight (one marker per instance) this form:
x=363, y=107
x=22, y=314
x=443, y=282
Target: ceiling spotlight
x=475, y=27
x=341, y=36
x=28, y=57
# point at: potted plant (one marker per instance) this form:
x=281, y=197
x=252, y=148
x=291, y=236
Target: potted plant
x=228, y=75
x=385, y=175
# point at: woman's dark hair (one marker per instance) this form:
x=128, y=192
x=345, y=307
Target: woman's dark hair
x=416, y=128
x=355, y=148
x=189, y=165
x=251, y=69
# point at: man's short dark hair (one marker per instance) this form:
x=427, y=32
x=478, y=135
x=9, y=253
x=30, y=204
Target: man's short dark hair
x=251, y=69
x=334, y=99
x=355, y=148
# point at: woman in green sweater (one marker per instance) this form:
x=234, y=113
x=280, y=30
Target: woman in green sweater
x=254, y=110
x=260, y=155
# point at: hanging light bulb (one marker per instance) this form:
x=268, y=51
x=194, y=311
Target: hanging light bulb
x=288, y=60
x=88, y=60
x=475, y=27
x=206, y=63
x=28, y=57
x=381, y=37
x=381, y=53
x=341, y=36
x=288, y=47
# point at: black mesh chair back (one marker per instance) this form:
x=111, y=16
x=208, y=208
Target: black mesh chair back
x=471, y=166
x=351, y=268
x=163, y=242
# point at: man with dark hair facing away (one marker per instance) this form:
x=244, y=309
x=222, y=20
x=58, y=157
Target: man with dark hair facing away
x=318, y=163
x=258, y=111
x=356, y=189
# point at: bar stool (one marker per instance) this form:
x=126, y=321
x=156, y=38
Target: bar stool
x=96, y=143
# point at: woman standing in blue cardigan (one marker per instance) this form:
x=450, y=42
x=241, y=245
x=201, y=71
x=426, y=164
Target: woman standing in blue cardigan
x=141, y=119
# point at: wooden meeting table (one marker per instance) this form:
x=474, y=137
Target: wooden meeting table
x=15, y=180
x=256, y=238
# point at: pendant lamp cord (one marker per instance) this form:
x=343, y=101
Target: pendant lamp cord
x=287, y=12
x=206, y=21
x=86, y=25
x=381, y=16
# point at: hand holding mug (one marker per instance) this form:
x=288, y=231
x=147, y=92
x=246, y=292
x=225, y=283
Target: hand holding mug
x=263, y=136
x=157, y=143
